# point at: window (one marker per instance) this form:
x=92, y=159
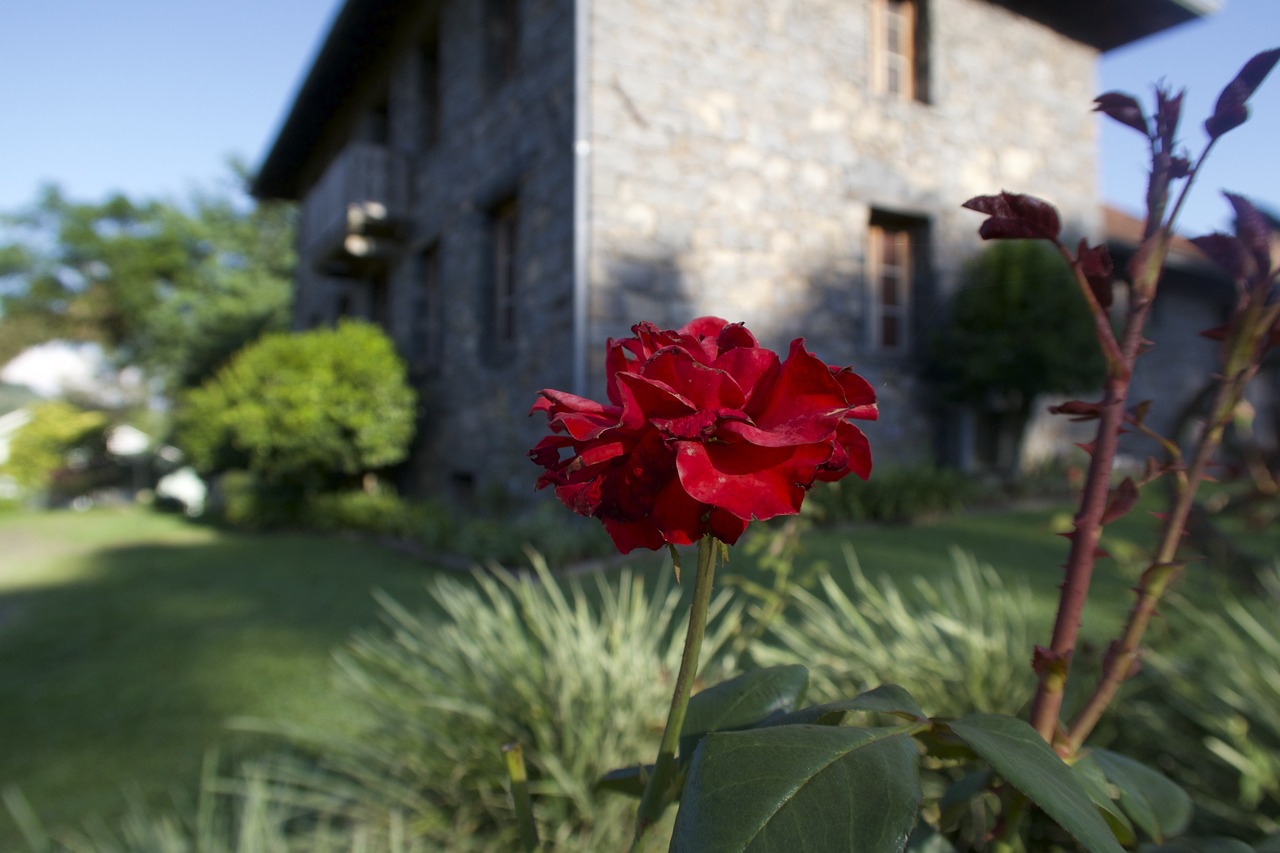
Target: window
x=380, y=298
x=377, y=123
x=502, y=40
x=429, y=98
x=894, y=271
x=427, y=326
x=504, y=229
x=898, y=49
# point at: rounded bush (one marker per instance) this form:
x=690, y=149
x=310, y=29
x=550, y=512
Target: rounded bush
x=307, y=408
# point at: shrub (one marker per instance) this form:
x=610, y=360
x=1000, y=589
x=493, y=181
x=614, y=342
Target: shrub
x=309, y=409
x=542, y=528
x=379, y=512
x=956, y=646
x=984, y=356
x=582, y=686
x=39, y=450
x=895, y=495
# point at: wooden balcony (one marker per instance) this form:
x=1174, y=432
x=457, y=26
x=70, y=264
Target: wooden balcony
x=354, y=216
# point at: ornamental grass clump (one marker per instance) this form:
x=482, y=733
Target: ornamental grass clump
x=576, y=672
x=958, y=645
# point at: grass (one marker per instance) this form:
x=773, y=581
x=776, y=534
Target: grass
x=127, y=640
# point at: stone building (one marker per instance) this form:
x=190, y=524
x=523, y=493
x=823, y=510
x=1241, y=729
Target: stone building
x=504, y=184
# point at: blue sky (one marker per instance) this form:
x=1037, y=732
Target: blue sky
x=151, y=97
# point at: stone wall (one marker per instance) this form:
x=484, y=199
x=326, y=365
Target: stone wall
x=494, y=143
x=737, y=154
x=738, y=151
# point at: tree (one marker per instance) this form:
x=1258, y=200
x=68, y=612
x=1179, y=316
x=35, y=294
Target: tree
x=308, y=410
x=1018, y=328
x=172, y=289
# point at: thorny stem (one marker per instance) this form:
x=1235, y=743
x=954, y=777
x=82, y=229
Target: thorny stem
x=660, y=788
x=1122, y=658
x=1053, y=667
x=1052, y=671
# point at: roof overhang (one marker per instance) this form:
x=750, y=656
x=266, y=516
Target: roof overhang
x=354, y=52
x=1108, y=24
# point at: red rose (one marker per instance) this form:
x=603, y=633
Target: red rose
x=705, y=431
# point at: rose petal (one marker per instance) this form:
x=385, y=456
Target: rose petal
x=747, y=480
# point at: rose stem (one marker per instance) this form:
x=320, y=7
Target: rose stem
x=1163, y=570
x=658, y=790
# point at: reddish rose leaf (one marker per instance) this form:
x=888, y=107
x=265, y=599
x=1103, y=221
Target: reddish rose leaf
x=1078, y=410
x=1013, y=216
x=1228, y=253
x=1122, y=499
x=1168, y=114
x=1232, y=109
x=1123, y=108
x=1227, y=116
x=1219, y=333
x=1253, y=231
x=1045, y=661
x=1098, y=270
x=992, y=205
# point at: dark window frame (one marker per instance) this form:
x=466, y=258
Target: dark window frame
x=900, y=49
x=426, y=333
x=897, y=275
x=430, y=92
x=502, y=30
x=501, y=290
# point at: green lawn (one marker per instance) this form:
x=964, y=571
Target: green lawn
x=128, y=639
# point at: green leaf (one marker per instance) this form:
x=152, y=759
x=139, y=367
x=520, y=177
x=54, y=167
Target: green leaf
x=793, y=788
x=1020, y=755
x=887, y=699
x=926, y=839
x=625, y=780
x=742, y=702
x=1159, y=807
x=1094, y=782
x=1198, y=845
x=959, y=797
x=1270, y=844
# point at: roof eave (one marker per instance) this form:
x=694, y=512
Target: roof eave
x=353, y=48
x=1106, y=24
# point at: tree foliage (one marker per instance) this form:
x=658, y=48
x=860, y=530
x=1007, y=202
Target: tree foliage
x=174, y=289
x=1018, y=328
x=302, y=409
x=41, y=446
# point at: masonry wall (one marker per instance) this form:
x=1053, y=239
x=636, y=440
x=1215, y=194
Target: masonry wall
x=738, y=151
x=512, y=141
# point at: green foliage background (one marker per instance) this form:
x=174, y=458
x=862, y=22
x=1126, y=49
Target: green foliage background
x=40, y=447
x=172, y=288
x=1018, y=328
